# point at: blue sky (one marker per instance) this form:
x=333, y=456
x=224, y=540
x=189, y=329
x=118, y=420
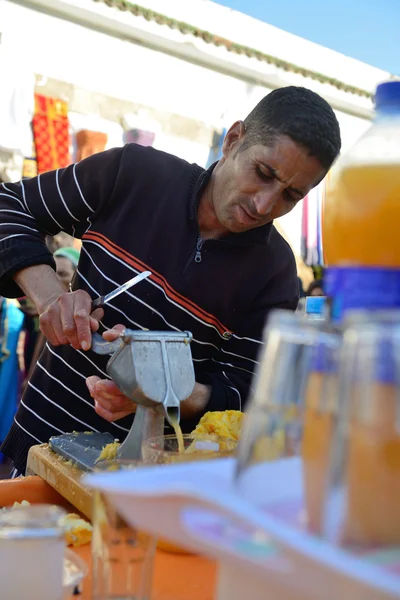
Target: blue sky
x=365, y=29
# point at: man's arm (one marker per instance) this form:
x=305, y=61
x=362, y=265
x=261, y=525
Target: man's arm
x=64, y=200
x=67, y=200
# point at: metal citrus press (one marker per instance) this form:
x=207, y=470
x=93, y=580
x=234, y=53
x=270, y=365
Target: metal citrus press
x=155, y=370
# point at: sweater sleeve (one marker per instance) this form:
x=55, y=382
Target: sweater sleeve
x=237, y=358
x=63, y=200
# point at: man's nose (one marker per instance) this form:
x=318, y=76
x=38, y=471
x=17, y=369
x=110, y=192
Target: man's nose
x=265, y=201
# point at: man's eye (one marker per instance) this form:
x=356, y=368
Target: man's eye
x=262, y=175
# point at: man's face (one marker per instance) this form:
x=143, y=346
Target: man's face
x=254, y=186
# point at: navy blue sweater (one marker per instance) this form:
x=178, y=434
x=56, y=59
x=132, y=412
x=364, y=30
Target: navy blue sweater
x=135, y=209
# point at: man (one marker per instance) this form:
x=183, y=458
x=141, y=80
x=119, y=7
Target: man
x=218, y=264
x=67, y=259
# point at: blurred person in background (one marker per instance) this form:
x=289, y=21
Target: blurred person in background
x=11, y=324
x=315, y=288
x=67, y=259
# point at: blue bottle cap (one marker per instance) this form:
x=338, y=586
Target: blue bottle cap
x=387, y=94
x=315, y=305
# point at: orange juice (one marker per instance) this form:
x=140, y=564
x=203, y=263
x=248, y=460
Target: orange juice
x=361, y=212
x=316, y=448
x=373, y=473
x=361, y=216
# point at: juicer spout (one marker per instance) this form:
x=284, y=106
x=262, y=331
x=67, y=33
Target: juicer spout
x=171, y=409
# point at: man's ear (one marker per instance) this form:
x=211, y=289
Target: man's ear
x=233, y=137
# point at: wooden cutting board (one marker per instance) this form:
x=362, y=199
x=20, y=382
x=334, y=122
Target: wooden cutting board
x=62, y=475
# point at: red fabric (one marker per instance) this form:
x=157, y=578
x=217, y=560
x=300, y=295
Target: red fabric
x=51, y=133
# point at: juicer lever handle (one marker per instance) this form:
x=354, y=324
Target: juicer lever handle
x=100, y=346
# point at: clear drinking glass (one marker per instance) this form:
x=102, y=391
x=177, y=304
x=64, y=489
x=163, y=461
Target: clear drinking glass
x=362, y=504
x=32, y=548
x=165, y=448
x=290, y=382
x=122, y=556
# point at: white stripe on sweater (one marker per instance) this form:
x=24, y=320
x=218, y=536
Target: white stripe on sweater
x=16, y=212
x=79, y=189
x=92, y=363
x=27, y=432
x=234, y=389
x=219, y=362
x=14, y=235
x=24, y=197
x=62, y=198
x=13, y=198
x=3, y=185
x=80, y=375
x=90, y=427
x=247, y=339
x=40, y=418
x=45, y=205
x=240, y=356
x=19, y=225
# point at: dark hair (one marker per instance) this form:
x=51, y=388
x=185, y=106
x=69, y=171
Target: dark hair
x=300, y=114
x=317, y=283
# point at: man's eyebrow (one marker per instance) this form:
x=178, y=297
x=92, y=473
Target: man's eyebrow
x=275, y=174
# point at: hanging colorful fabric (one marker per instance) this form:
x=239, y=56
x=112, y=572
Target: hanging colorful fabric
x=89, y=143
x=51, y=133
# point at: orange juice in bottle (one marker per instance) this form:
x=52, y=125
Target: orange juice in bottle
x=367, y=442
x=361, y=214
x=319, y=424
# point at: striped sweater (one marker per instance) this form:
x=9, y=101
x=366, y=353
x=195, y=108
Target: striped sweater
x=135, y=208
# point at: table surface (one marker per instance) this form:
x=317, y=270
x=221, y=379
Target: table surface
x=176, y=577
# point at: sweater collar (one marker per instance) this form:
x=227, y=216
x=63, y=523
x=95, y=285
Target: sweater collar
x=198, y=181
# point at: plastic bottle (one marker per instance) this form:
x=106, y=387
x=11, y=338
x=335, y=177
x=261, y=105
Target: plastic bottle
x=315, y=307
x=362, y=212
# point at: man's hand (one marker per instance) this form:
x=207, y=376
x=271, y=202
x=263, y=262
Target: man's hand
x=65, y=318
x=68, y=320
x=109, y=402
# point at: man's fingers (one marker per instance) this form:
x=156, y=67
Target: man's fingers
x=63, y=321
x=108, y=416
x=66, y=320
x=91, y=382
x=110, y=403
x=46, y=324
x=113, y=333
x=82, y=309
x=95, y=318
x=108, y=387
